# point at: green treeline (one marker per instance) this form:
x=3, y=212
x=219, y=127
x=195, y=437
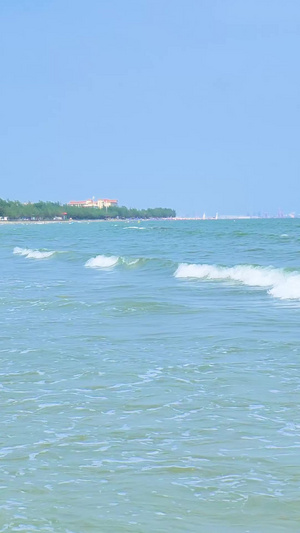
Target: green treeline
x=15, y=210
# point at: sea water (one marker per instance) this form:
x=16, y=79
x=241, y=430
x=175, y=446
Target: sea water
x=150, y=377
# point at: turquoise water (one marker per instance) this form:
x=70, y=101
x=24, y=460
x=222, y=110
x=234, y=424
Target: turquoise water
x=150, y=377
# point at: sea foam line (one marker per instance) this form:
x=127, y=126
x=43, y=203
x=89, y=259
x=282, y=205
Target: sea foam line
x=280, y=283
x=32, y=254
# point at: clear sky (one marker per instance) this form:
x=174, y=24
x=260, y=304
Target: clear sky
x=191, y=104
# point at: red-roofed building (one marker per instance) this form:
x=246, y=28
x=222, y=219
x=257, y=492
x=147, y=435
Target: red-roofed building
x=103, y=202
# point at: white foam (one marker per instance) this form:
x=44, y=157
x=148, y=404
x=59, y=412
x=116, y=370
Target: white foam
x=21, y=251
x=32, y=254
x=102, y=261
x=280, y=283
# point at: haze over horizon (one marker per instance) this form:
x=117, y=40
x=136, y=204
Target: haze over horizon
x=193, y=106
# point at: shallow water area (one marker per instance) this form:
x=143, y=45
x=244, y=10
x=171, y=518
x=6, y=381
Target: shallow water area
x=150, y=379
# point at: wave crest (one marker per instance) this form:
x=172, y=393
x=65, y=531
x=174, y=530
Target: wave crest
x=32, y=254
x=280, y=283
x=102, y=261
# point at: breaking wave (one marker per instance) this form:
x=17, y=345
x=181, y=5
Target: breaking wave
x=102, y=261
x=32, y=254
x=110, y=261
x=279, y=282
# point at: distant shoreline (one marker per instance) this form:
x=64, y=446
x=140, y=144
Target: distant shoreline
x=139, y=220
x=83, y=221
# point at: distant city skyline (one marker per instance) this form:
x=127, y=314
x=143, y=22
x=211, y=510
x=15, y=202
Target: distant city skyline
x=193, y=106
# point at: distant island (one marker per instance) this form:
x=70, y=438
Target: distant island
x=15, y=210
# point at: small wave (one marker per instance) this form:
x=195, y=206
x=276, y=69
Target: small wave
x=32, y=254
x=102, y=261
x=21, y=251
x=130, y=262
x=134, y=227
x=280, y=283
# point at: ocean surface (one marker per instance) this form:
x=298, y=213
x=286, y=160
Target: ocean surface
x=150, y=377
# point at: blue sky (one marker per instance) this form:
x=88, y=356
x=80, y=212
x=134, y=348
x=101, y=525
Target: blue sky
x=192, y=104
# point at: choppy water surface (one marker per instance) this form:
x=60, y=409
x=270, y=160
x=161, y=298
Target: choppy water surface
x=150, y=377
